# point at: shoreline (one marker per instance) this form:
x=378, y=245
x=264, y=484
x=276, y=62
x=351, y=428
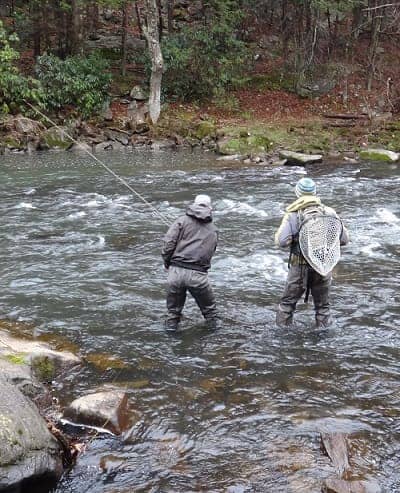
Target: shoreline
x=256, y=142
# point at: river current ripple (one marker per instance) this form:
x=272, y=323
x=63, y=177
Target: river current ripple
x=235, y=411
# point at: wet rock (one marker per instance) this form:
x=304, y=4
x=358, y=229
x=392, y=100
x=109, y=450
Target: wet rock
x=279, y=162
x=105, y=362
x=162, y=144
x=341, y=486
x=107, y=409
x=299, y=159
x=335, y=446
x=231, y=157
x=379, y=155
x=108, y=145
x=80, y=147
x=45, y=363
x=18, y=373
x=27, y=449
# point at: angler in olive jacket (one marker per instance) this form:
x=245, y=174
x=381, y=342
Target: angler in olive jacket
x=302, y=277
x=188, y=248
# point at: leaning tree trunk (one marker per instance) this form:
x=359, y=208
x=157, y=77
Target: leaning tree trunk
x=152, y=35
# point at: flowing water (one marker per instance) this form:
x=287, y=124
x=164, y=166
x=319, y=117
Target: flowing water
x=235, y=411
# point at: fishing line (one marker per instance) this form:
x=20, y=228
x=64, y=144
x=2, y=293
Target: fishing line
x=107, y=168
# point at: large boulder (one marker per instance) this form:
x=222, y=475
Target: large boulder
x=27, y=449
x=299, y=159
x=379, y=155
x=107, y=409
x=24, y=126
x=55, y=138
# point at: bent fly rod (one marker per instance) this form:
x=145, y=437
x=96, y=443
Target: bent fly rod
x=107, y=168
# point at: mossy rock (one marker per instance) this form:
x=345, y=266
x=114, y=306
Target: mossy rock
x=55, y=138
x=16, y=359
x=245, y=145
x=12, y=143
x=205, y=129
x=380, y=155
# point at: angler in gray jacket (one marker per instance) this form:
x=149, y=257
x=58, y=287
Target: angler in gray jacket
x=188, y=248
x=302, y=277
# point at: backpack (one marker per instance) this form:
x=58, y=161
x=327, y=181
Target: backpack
x=319, y=238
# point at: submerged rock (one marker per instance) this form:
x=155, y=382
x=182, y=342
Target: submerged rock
x=106, y=409
x=379, y=155
x=27, y=449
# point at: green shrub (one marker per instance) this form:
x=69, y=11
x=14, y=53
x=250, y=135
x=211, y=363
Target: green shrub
x=78, y=81
x=14, y=87
x=204, y=61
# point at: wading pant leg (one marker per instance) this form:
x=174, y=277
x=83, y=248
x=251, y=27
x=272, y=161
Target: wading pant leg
x=320, y=288
x=176, y=294
x=199, y=287
x=294, y=288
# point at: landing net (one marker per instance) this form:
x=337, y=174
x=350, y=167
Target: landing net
x=319, y=240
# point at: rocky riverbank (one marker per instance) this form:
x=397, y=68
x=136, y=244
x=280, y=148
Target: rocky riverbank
x=124, y=125
x=33, y=450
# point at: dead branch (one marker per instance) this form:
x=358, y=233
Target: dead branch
x=367, y=9
x=345, y=116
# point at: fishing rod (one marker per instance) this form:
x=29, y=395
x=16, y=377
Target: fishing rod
x=107, y=168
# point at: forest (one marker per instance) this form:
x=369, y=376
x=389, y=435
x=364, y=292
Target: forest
x=259, y=59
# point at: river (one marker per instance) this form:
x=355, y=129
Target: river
x=235, y=411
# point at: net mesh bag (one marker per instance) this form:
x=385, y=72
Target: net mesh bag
x=319, y=240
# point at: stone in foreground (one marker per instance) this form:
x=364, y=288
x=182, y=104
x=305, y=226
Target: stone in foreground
x=27, y=449
x=299, y=159
x=107, y=409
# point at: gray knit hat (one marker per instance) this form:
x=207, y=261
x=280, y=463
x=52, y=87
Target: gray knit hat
x=305, y=186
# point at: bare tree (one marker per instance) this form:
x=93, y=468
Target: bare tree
x=151, y=31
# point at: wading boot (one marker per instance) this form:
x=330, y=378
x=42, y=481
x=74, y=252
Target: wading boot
x=213, y=324
x=171, y=325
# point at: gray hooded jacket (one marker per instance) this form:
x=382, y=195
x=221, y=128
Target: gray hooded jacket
x=191, y=240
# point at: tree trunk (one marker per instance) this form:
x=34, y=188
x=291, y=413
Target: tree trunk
x=357, y=21
x=151, y=32
x=170, y=14
x=37, y=28
x=376, y=23
x=124, y=37
x=73, y=28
